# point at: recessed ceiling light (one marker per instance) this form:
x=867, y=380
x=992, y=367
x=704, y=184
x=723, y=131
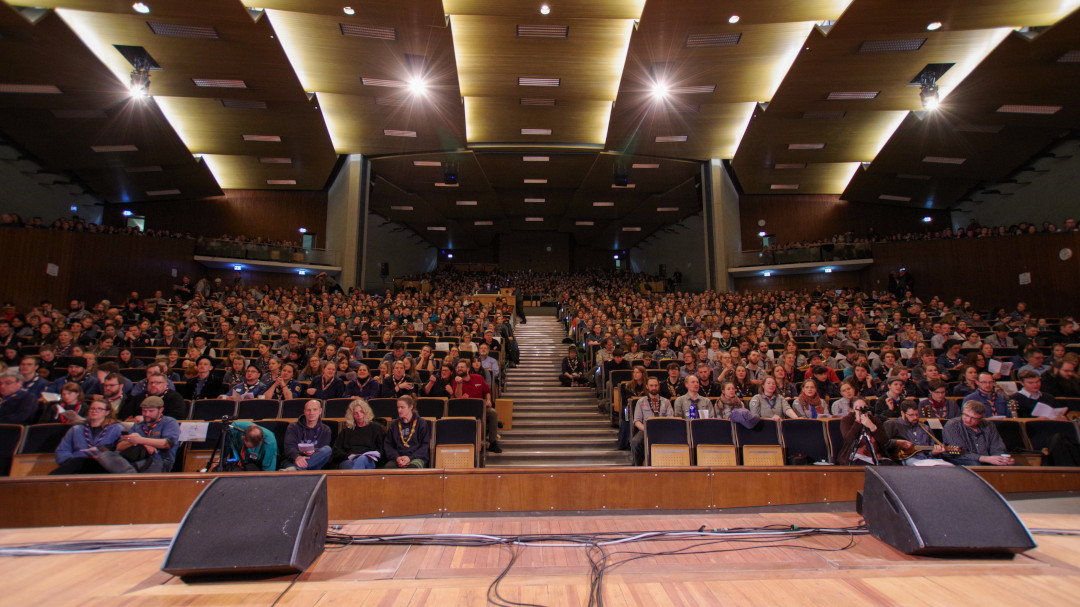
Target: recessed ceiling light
x=645, y=165
x=443, y=184
x=933, y=25
x=271, y=138
x=280, y=182
x=535, y=158
x=466, y=203
x=436, y=228
x=603, y=204
x=733, y=19
x=628, y=186
x=536, y=181
x=141, y=8
x=583, y=223
x=104, y=149
x=784, y=186
x=401, y=207
x=397, y=133
x=535, y=131
x=426, y=163
x=545, y=9
x=483, y=223
x=536, y=200
x=805, y=146
x=670, y=138
x=348, y=10
x=534, y=219
x=659, y=90
x=172, y=192
x=666, y=209
x=418, y=86
x=631, y=229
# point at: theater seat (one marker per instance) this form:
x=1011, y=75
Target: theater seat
x=713, y=441
x=456, y=443
x=37, y=454
x=760, y=445
x=666, y=442
x=10, y=437
x=804, y=437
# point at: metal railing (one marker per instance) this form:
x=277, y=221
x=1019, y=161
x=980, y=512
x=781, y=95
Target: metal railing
x=266, y=252
x=813, y=254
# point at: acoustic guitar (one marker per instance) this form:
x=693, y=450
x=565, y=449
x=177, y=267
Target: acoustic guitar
x=903, y=454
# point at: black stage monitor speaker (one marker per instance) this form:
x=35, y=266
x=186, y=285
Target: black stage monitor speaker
x=944, y=511
x=251, y=525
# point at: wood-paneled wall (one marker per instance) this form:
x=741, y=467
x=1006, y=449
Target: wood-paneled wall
x=90, y=267
x=987, y=271
x=161, y=498
x=528, y=250
x=813, y=217
x=272, y=214
x=835, y=280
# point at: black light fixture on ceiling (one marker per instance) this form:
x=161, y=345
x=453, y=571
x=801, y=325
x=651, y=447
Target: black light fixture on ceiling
x=621, y=177
x=450, y=173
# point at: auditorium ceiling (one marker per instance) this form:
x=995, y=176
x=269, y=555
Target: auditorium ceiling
x=531, y=120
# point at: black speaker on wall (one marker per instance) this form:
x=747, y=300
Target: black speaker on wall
x=251, y=525
x=940, y=511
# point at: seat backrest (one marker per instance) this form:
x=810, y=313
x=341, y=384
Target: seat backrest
x=618, y=376
x=293, y=408
x=805, y=437
x=10, y=437
x=465, y=407
x=43, y=438
x=1012, y=434
x=1040, y=431
x=457, y=431
x=335, y=426
x=711, y=432
x=669, y=455
x=211, y=409
x=764, y=433
x=666, y=431
x=256, y=409
x=336, y=407
x=835, y=437
x=133, y=374
x=431, y=407
x=384, y=407
x=278, y=427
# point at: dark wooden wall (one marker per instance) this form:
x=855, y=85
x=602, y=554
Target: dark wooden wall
x=251, y=278
x=272, y=214
x=813, y=217
x=986, y=271
x=90, y=266
x=835, y=280
x=527, y=250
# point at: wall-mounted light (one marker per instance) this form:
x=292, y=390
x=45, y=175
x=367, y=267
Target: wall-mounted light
x=302, y=272
x=761, y=233
x=927, y=219
x=127, y=213
x=238, y=268
x=828, y=270
x=767, y=274
x=303, y=230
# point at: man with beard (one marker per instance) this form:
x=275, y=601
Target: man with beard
x=151, y=445
x=472, y=385
x=76, y=367
x=157, y=386
x=112, y=394
x=651, y=405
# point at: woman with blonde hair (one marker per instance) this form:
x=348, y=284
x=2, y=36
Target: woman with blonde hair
x=359, y=444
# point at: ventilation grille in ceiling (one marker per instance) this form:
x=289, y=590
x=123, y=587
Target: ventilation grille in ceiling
x=543, y=31
x=670, y=138
x=183, y=31
x=368, y=31
x=895, y=198
x=539, y=81
x=398, y=133
x=240, y=104
x=892, y=46
x=394, y=101
x=705, y=40
x=1029, y=109
x=280, y=182
x=380, y=82
x=538, y=101
x=31, y=89
x=849, y=95
x=784, y=186
x=1070, y=57
x=691, y=90
x=535, y=131
x=805, y=146
x=219, y=83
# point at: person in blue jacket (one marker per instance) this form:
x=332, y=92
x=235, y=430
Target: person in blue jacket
x=76, y=453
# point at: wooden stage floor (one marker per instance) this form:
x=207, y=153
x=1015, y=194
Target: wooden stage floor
x=870, y=573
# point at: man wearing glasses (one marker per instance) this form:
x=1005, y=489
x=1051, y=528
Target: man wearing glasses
x=978, y=439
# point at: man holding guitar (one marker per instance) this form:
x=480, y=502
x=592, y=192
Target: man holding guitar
x=910, y=442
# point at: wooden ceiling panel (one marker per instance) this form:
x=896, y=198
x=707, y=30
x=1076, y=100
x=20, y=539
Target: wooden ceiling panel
x=501, y=119
x=358, y=125
x=712, y=132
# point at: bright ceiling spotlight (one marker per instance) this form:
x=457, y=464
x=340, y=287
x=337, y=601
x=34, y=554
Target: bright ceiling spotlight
x=140, y=8
x=348, y=10
x=928, y=91
x=418, y=86
x=932, y=26
x=139, y=86
x=733, y=19
x=660, y=90
x=544, y=9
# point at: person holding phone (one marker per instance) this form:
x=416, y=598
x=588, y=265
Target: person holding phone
x=79, y=450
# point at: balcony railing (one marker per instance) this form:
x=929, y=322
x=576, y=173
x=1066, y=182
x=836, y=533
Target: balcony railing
x=265, y=252
x=825, y=253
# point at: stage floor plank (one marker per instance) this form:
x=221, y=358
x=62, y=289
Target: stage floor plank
x=870, y=573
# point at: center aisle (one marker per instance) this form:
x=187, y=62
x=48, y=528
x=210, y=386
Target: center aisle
x=553, y=425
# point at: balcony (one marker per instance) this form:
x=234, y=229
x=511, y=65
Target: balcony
x=265, y=257
x=803, y=260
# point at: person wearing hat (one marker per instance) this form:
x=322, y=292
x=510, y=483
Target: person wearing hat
x=888, y=404
x=150, y=446
x=201, y=341
x=76, y=374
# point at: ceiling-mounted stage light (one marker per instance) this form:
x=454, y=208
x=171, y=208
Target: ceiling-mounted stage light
x=140, y=81
x=928, y=90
